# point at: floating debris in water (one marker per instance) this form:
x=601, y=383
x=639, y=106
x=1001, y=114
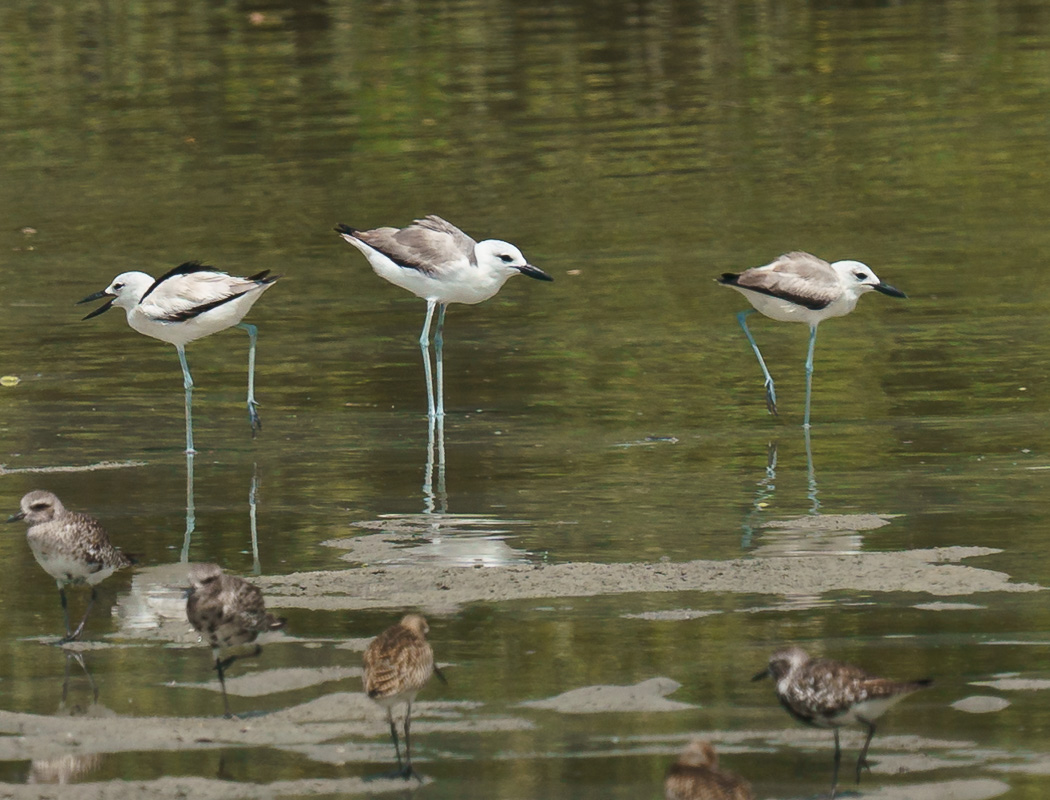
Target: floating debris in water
x=10, y=380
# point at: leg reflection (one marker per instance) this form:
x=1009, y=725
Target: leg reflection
x=435, y=500
x=72, y=655
x=763, y=493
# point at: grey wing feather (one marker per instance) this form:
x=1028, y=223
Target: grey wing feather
x=98, y=549
x=797, y=277
x=425, y=245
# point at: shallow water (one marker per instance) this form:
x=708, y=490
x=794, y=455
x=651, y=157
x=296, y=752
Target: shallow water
x=634, y=151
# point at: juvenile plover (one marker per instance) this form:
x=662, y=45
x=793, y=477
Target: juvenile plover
x=398, y=663
x=697, y=776
x=830, y=694
x=73, y=548
x=230, y=614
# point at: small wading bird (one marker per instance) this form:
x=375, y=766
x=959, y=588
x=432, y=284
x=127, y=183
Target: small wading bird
x=72, y=548
x=230, y=614
x=187, y=303
x=830, y=694
x=436, y=261
x=398, y=663
x=696, y=776
x=799, y=287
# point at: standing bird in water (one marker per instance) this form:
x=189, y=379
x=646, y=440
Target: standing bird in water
x=72, y=548
x=398, y=663
x=799, y=287
x=438, y=262
x=187, y=303
x=230, y=614
x=829, y=694
x=697, y=776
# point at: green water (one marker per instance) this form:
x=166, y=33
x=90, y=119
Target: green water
x=634, y=151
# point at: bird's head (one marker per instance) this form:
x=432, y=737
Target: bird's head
x=38, y=507
x=505, y=258
x=125, y=291
x=859, y=278
x=782, y=663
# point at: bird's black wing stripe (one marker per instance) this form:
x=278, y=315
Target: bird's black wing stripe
x=810, y=302
x=182, y=269
x=190, y=313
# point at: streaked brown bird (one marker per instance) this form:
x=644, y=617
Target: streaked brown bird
x=73, y=548
x=398, y=663
x=697, y=776
x=230, y=614
x=830, y=694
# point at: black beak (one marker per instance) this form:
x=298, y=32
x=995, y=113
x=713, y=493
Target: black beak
x=885, y=288
x=16, y=517
x=535, y=272
x=763, y=674
x=102, y=308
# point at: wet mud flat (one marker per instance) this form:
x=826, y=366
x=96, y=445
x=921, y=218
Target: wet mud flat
x=342, y=727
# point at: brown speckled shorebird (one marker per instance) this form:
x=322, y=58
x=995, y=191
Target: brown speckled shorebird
x=72, y=548
x=230, y=613
x=696, y=776
x=830, y=694
x=398, y=663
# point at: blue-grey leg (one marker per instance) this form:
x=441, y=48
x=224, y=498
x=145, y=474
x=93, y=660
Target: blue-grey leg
x=439, y=344
x=771, y=393
x=253, y=415
x=424, y=349
x=65, y=614
x=191, y=512
x=187, y=384
x=809, y=372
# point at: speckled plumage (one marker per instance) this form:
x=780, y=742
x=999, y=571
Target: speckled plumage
x=697, y=776
x=72, y=548
x=398, y=663
x=830, y=694
x=229, y=613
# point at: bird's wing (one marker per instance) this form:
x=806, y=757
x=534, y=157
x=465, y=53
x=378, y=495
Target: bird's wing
x=191, y=289
x=243, y=602
x=833, y=686
x=797, y=277
x=98, y=551
x=397, y=660
x=426, y=245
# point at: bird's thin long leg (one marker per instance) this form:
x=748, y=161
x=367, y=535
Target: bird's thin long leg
x=191, y=513
x=253, y=415
x=409, y=772
x=393, y=735
x=771, y=393
x=862, y=761
x=187, y=384
x=83, y=620
x=424, y=349
x=835, y=771
x=220, y=667
x=809, y=372
x=65, y=613
x=439, y=356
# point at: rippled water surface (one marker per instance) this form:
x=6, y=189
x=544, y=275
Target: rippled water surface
x=634, y=151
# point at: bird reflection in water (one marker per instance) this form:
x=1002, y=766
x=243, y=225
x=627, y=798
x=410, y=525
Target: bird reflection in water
x=766, y=488
x=76, y=709
x=191, y=515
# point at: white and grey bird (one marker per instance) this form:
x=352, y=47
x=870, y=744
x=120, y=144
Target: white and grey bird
x=187, y=303
x=829, y=694
x=229, y=613
x=695, y=775
x=398, y=663
x=438, y=262
x=73, y=548
x=799, y=287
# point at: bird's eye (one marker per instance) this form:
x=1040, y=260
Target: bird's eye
x=39, y=506
x=861, y=276
x=505, y=258
x=118, y=286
